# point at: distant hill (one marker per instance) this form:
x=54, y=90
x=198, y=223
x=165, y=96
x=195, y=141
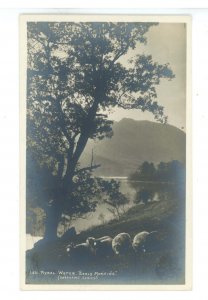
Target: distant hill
x=133, y=143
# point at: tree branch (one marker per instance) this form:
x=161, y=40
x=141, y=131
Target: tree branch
x=119, y=54
x=62, y=122
x=85, y=132
x=88, y=168
x=91, y=159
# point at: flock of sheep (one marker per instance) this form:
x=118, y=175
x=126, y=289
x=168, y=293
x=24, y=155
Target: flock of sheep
x=107, y=246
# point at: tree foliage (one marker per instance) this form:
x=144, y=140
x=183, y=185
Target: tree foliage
x=74, y=79
x=74, y=74
x=115, y=200
x=173, y=171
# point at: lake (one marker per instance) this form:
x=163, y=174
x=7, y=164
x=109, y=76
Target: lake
x=137, y=192
x=31, y=240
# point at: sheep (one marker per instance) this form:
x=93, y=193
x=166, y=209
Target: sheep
x=145, y=241
x=121, y=243
x=139, y=240
x=91, y=240
x=81, y=253
x=101, y=247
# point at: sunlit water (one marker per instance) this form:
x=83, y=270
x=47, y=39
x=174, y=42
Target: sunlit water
x=93, y=218
x=142, y=192
x=31, y=240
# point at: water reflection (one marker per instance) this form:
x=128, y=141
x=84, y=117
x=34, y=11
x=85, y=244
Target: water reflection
x=149, y=191
x=138, y=193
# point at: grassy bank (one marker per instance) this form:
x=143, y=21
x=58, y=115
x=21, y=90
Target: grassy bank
x=166, y=265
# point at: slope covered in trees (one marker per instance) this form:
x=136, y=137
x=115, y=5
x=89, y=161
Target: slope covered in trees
x=134, y=142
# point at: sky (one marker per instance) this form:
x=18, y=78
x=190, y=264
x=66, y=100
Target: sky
x=166, y=43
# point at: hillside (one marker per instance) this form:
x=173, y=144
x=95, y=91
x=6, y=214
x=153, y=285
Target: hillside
x=133, y=143
x=164, y=264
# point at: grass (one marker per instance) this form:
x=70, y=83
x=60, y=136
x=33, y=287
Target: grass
x=152, y=216
x=160, y=267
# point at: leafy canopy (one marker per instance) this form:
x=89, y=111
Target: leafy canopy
x=75, y=77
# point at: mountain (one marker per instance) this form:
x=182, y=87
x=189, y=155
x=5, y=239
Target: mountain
x=133, y=143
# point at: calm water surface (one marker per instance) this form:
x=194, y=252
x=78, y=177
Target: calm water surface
x=136, y=191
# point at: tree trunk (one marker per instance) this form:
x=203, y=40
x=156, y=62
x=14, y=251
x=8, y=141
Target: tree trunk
x=53, y=215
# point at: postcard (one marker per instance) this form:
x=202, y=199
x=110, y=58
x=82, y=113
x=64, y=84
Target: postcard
x=105, y=184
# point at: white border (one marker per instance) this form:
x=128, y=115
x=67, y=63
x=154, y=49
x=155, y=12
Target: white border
x=9, y=134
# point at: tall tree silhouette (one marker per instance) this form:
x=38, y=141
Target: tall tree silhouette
x=74, y=79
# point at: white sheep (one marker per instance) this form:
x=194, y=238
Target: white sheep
x=139, y=241
x=145, y=241
x=121, y=243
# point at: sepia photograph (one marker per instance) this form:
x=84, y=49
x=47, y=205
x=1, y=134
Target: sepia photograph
x=105, y=162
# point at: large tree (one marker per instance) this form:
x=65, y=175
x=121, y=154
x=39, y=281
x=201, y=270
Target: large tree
x=74, y=79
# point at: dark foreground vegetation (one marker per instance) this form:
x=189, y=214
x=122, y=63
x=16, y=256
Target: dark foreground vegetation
x=48, y=262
